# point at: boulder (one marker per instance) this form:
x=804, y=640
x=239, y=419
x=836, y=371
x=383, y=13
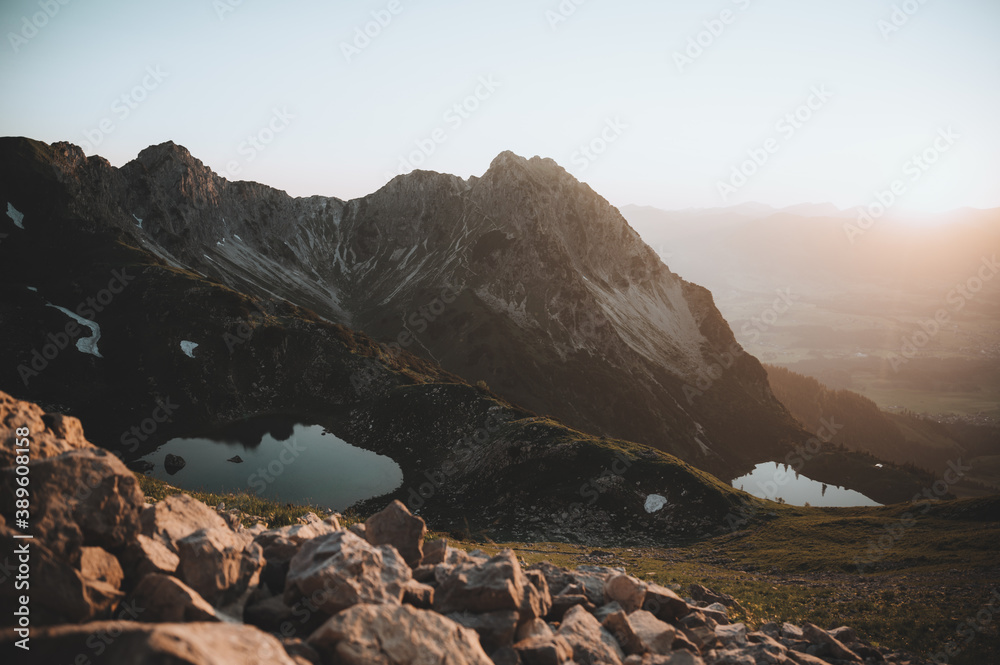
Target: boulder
x=127, y=643
x=495, y=629
x=536, y=602
x=563, y=603
x=59, y=592
x=626, y=590
x=533, y=628
x=590, y=642
x=706, y=595
x=663, y=603
x=732, y=635
x=675, y=658
x=434, y=552
x=145, y=555
x=161, y=598
x=78, y=498
x=396, y=635
x=396, y=526
x=791, y=631
x=641, y=632
x=173, y=463
x=418, y=594
x=297, y=533
x=544, y=650
x=50, y=434
x=837, y=649
x=481, y=586
x=339, y=570
x=270, y=614
x=99, y=565
x=177, y=517
x=218, y=564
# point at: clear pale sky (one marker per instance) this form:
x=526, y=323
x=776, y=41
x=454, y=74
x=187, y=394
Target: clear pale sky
x=224, y=67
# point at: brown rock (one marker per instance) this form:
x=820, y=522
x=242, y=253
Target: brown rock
x=270, y=614
x=128, y=643
x=145, y=555
x=626, y=590
x=663, y=603
x=562, y=604
x=591, y=643
x=396, y=526
x=50, y=434
x=533, y=628
x=486, y=586
x=164, y=599
x=544, y=650
x=99, y=565
x=838, y=650
x=78, y=498
x=339, y=570
x=434, y=552
x=177, y=517
x=418, y=594
x=641, y=632
x=495, y=629
x=396, y=635
x=218, y=564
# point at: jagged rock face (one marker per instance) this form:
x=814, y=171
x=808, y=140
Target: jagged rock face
x=524, y=278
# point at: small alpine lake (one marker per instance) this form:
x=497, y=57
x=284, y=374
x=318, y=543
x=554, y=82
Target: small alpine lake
x=774, y=481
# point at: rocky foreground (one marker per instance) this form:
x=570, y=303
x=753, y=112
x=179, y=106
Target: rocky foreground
x=113, y=579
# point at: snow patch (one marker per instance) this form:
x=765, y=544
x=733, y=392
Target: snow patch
x=188, y=348
x=31, y=288
x=84, y=344
x=655, y=502
x=15, y=215
x=138, y=220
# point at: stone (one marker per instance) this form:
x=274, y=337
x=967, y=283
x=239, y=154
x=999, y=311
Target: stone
x=837, y=649
x=626, y=590
x=663, y=603
x=99, y=565
x=296, y=533
x=735, y=634
x=482, y=586
x=536, y=602
x=706, y=595
x=126, y=642
x=533, y=628
x=269, y=614
x=218, y=564
x=703, y=637
x=339, y=570
x=434, y=552
x=162, y=598
x=791, y=631
x=51, y=434
x=173, y=463
x=396, y=635
x=357, y=529
x=79, y=498
x=418, y=594
x=177, y=517
x=562, y=604
x=674, y=658
x=681, y=642
x=844, y=634
x=716, y=612
x=145, y=555
x=641, y=632
x=395, y=525
x=59, y=593
x=590, y=642
x=544, y=650
x=604, y=611
x=495, y=629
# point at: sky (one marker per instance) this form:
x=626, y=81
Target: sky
x=686, y=103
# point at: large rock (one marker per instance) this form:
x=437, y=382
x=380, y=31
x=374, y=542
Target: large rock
x=495, y=629
x=544, y=650
x=146, y=555
x=59, y=593
x=130, y=643
x=78, y=498
x=626, y=590
x=218, y=563
x=297, y=533
x=50, y=434
x=837, y=649
x=663, y=603
x=481, y=586
x=396, y=526
x=336, y=571
x=165, y=599
x=98, y=565
x=396, y=635
x=641, y=632
x=177, y=517
x=591, y=643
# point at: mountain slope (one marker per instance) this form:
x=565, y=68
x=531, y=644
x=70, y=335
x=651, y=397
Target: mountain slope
x=524, y=278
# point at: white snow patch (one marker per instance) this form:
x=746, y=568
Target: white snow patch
x=188, y=348
x=15, y=215
x=31, y=288
x=238, y=237
x=138, y=220
x=84, y=344
x=655, y=502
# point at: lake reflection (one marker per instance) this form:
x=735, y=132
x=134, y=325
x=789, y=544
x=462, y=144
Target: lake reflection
x=770, y=480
